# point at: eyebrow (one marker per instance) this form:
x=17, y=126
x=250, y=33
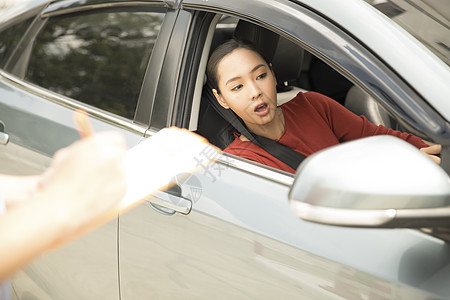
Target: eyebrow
x=237, y=77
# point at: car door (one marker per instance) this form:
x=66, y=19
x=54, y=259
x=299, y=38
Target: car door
x=241, y=240
x=72, y=55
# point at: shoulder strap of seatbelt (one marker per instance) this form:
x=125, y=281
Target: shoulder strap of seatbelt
x=282, y=152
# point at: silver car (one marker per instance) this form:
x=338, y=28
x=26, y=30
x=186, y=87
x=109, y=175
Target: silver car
x=367, y=219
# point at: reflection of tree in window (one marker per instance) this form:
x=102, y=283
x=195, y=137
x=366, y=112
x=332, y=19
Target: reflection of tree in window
x=98, y=59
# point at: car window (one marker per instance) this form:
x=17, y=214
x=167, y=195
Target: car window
x=9, y=39
x=99, y=59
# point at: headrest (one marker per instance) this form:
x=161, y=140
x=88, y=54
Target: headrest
x=285, y=56
x=264, y=40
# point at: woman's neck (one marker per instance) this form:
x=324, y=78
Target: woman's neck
x=272, y=130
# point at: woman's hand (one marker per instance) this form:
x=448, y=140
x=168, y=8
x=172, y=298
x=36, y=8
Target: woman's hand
x=432, y=152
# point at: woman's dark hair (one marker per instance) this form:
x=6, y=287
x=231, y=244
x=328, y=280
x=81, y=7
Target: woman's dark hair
x=220, y=52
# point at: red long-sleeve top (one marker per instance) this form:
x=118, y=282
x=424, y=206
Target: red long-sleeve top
x=314, y=122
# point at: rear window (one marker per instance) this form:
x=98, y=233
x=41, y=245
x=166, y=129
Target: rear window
x=99, y=59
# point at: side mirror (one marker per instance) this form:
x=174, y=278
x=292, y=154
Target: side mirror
x=379, y=181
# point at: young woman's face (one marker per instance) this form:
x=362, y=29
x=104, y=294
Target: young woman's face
x=248, y=87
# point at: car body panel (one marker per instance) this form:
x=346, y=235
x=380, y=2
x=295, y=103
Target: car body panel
x=82, y=269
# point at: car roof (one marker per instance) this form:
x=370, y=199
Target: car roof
x=19, y=8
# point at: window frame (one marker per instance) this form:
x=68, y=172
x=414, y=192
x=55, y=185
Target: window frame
x=341, y=51
x=179, y=81
x=16, y=22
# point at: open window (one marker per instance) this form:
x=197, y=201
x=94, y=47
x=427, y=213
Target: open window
x=296, y=69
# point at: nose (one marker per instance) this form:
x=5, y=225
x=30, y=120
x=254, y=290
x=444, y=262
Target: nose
x=255, y=91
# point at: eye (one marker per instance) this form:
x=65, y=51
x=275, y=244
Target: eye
x=237, y=87
x=262, y=76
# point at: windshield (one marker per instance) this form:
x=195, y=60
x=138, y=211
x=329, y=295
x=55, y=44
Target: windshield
x=427, y=20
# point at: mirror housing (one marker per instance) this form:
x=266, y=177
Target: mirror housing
x=379, y=181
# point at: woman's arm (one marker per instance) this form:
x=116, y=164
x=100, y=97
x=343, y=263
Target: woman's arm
x=348, y=126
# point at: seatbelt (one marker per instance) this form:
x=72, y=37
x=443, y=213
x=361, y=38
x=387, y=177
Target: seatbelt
x=282, y=152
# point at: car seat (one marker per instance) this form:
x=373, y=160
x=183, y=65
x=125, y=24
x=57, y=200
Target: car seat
x=361, y=103
x=286, y=58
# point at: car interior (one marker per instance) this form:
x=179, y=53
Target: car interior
x=295, y=69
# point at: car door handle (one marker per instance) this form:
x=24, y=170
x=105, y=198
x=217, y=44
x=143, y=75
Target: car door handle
x=170, y=202
x=4, y=137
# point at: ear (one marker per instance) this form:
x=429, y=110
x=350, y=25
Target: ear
x=220, y=99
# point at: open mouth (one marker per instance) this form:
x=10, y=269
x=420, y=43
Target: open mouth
x=260, y=108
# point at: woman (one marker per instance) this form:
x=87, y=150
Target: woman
x=244, y=82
